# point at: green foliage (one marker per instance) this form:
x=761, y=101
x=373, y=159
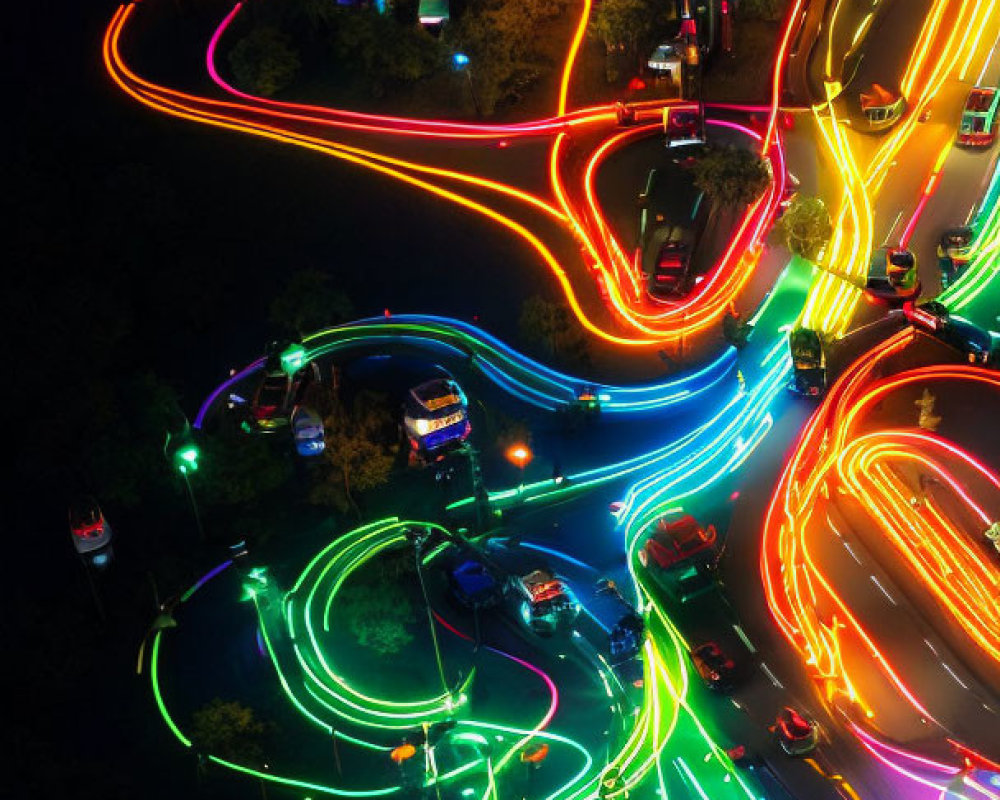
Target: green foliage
x=377, y=615
x=730, y=176
x=622, y=24
x=308, y=303
x=361, y=447
x=229, y=730
x=383, y=49
x=237, y=469
x=769, y=10
x=501, y=38
x=552, y=328
x=264, y=61
x=806, y=227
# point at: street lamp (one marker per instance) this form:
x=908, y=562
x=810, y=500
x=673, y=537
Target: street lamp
x=460, y=62
x=183, y=454
x=519, y=455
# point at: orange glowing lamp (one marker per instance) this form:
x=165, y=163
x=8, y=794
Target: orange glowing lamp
x=519, y=455
x=403, y=753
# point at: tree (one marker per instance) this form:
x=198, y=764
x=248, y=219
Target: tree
x=230, y=731
x=770, y=10
x=265, y=61
x=361, y=447
x=806, y=227
x=621, y=24
x=377, y=614
x=552, y=327
x=502, y=41
x=384, y=49
x=309, y=303
x=730, y=176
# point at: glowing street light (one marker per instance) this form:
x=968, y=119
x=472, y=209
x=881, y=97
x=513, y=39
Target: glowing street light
x=460, y=62
x=519, y=455
x=183, y=455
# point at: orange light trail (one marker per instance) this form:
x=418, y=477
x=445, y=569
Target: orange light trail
x=839, y=460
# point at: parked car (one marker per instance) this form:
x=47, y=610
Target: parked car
x=715, y=668
x=666, y=60
x=308, y=431
x=797, y=735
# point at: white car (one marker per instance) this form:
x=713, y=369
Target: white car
x=666, y=60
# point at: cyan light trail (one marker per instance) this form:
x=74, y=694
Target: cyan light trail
x=522, y=377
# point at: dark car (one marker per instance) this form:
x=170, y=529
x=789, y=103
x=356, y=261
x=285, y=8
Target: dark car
x=716, y=669
x=278, y=393
x=269, y=400
x=808, y=362
x=474, y=585
x=975, y=343
x=797, y=735
x=892, y=276
x=953, y=252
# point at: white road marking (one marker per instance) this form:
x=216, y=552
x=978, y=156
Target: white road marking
x=744, y=638
x=851, y=551
x=935, y=652
x=951, y=672
x=882, y=589
x=771, y=675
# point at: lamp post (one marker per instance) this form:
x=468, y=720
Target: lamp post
x=520, y=455
x=460, y=61
x=184, y=455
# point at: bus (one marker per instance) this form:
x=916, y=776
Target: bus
x=979, y=118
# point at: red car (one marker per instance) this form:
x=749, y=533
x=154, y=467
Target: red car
x=677, y=541
x=797, y=735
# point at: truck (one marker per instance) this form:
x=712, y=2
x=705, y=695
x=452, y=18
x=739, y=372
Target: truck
x=670, y=222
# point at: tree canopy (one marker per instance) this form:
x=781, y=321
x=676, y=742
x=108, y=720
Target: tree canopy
x=265, y=61
x=361, y=448
x=229, y=730
x=552, y=328
x=731, y=177
x=806, y=227
x=309, y=302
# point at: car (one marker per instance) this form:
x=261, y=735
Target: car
x=677, y=541
x=269, y=399
x=716, y=669
x=954, y=251
x=892, y=276
x=278, y=393
x=626, y=630
x=308, y=431
x=671, y=218
x=796, y=735
x=979, y=118
x=544, y=601
x=436, y=416
x=87, y=525
x=474, y=584
x=671, y=271
x=666, y=60
x=976, y=344
x=808, y=362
